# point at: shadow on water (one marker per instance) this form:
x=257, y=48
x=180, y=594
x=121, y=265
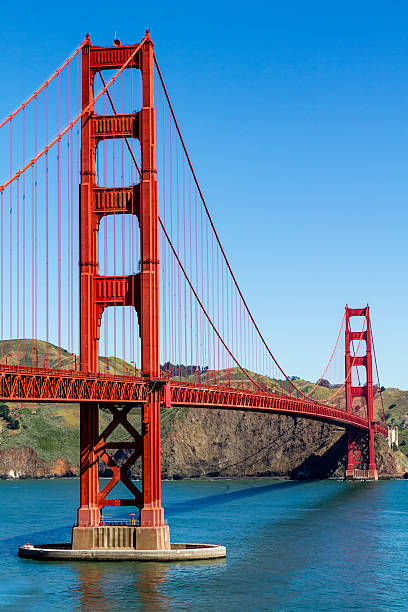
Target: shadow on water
x=63, y=533
x=59, y=535
x=305, y=524
x=324, y=533
x=223, y=498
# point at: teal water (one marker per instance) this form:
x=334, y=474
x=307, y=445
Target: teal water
x=323, y=545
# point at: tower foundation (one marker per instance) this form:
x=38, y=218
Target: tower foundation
x=361, y=474
x=126, y=537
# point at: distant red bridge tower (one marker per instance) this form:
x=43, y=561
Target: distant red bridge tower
x=360, y=445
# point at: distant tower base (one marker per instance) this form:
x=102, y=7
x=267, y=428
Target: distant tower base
x=362, y=474
x=115, y=537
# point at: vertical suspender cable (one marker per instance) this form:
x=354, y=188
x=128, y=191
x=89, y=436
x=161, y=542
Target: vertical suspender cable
x=11, y=245
x=24, y=245
x=1, y=274
x=18, y=271
x=59, y=226
x=46, y=240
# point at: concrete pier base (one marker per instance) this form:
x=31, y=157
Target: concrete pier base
x=177, y=552
x=122, y=543
x=361, y=474
x=121, y=537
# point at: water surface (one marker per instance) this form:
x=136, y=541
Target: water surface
x=323, y=545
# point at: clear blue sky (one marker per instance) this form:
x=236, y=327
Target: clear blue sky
x=295, y=115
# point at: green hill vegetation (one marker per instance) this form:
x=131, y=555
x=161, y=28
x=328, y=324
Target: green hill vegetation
x=40, y=354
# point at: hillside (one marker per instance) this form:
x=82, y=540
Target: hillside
x=195, y=442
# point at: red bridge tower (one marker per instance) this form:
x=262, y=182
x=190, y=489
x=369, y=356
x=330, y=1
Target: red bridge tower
x=140, y=291
x=360, y=446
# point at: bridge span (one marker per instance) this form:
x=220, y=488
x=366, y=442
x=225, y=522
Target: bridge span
x=140, y=250
x=36, y=385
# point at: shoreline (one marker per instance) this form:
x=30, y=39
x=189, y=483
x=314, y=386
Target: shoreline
x=205, y=478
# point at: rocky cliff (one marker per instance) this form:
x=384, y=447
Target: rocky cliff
x=232, y=444
x=24, y=463
x=214, y=443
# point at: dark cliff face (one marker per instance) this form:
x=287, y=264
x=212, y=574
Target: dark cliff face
x=231, y=444
x=219, y=443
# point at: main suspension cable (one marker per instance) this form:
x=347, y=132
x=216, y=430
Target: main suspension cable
x=378, y=377
x=89, y=107
x=217, y=236
x=353, y=361
x=181, y=265
x=44, y=85
x=330, y=360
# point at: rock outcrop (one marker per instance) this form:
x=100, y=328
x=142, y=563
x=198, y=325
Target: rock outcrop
x=232, y=444
x=24, y=463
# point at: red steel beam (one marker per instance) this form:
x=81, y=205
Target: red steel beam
x=117, y=200
x=32, y=385
x=112, y=57
x=183, y=394
x=115, y=126
x=117, y=290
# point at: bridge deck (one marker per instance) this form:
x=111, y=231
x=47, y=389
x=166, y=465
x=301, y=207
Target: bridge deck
x=37, y=385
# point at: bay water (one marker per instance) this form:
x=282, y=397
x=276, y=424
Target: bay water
x=320, y=545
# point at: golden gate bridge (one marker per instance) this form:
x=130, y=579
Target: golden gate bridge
x=155, y=285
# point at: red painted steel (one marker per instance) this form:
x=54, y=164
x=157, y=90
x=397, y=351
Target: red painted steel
x=26, y=384
x=365, y=391
x=36, y=385
x=110, y=58
x=141, y=290
x=183, y=394
x=151, y=514
x=119, y=473
x=117, y=200
x=89, y=511
x=114, y=126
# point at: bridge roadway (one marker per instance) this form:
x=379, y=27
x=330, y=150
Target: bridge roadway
x=19, y=383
